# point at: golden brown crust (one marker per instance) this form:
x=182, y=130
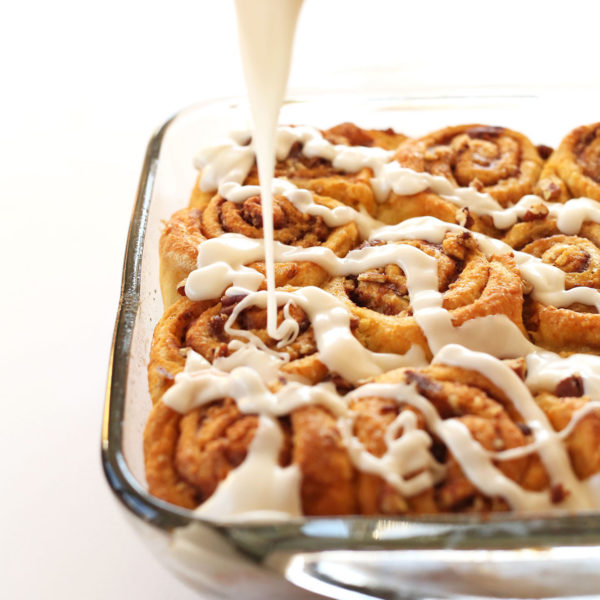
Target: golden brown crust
x=199, y=198
x=167, y=353
x=327, y=473
x=573, y=169
x=160, y=440
x=496, y=160
x=178, y=251
x=397, y=208
x=350, y=134
x=563, y=329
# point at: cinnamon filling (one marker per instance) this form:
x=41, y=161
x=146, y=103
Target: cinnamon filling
x=382, y=290
x=291, y=226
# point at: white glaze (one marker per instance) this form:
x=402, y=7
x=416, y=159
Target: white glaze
x=546, y=369
x=238, y=497
x=266, y=29
x=407, y=464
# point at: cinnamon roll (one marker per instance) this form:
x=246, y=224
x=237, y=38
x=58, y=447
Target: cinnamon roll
x=576, y=326
x=187, y=456
x=201, y=327
x=450, y=394
x=495, y=160
x=573, y=169
x=317, y=173
x=189, y=227
x=472, y=285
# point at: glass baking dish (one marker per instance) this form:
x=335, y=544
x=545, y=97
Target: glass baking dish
x=498, y=555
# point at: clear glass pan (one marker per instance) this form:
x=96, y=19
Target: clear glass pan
x=401, y=557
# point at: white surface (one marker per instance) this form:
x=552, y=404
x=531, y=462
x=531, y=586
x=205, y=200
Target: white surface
x=83, y=86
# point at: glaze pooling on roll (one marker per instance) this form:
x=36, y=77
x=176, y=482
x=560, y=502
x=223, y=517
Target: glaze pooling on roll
x=276, y=497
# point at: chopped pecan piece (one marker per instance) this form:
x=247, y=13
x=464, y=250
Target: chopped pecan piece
x=458, y=245
x=485, y=132
x=518, y=365
x=464, y=218
x=544, y=151
x=525, y=429
x=549, y=189
x=570, y=386
x=537, y=211
x=477, y=184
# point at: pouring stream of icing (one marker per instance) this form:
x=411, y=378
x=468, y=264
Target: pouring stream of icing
x=266, y=30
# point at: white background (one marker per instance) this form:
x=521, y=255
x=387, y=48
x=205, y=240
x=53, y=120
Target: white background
x=82, y=88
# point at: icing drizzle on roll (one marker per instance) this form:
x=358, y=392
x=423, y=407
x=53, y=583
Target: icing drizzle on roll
x=230, y=162
x=245, y=375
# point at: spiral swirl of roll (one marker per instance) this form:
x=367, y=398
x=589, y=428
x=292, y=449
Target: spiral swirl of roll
x=188, y=227
x=495, y=160
x=561, y=328
x=472, y=286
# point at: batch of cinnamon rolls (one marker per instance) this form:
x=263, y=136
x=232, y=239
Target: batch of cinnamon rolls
x=437, y=334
